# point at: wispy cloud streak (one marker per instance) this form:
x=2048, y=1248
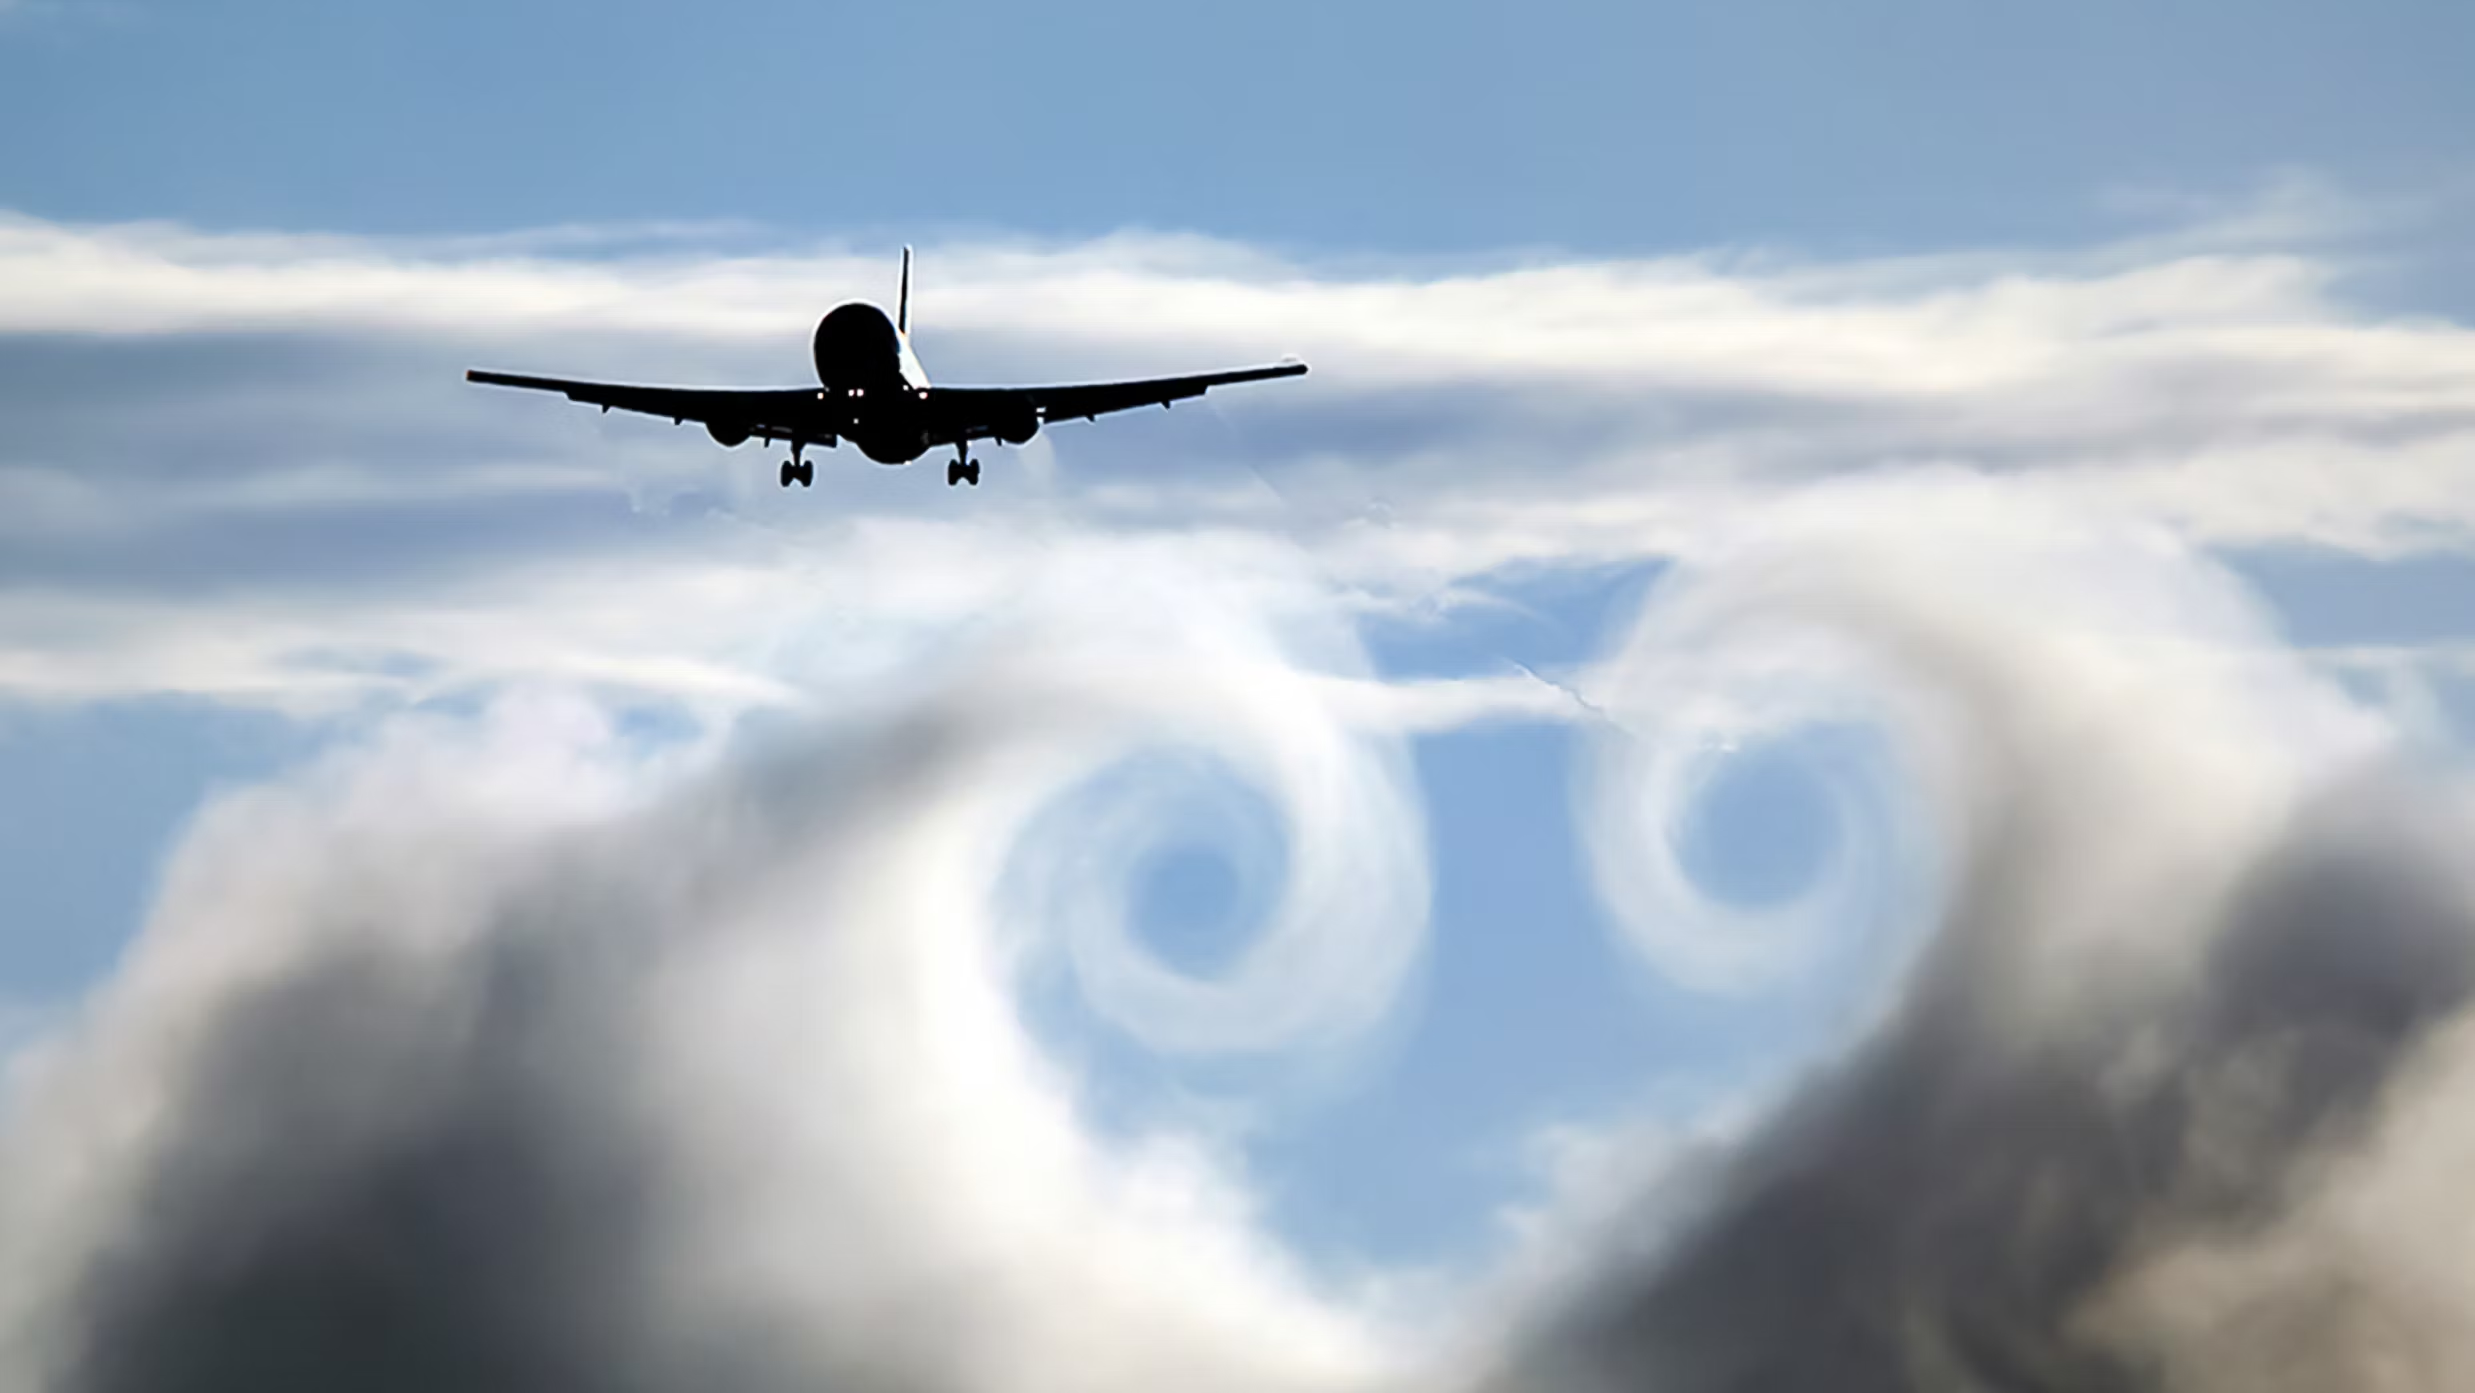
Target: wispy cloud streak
x=199, y=416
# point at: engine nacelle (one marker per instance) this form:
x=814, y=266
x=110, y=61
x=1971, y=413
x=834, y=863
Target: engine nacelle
x=726, y=434
x=1017, y=427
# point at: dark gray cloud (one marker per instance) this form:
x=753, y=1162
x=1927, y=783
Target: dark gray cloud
x=1942, y=1211
x=389, y=1165
x=336, y=1214
x=2197, y=935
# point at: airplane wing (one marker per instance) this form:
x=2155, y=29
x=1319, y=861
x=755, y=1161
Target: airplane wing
x=954, y=414
x=772, y=412
x=1088, y=400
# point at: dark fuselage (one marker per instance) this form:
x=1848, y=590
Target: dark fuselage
x=866, y=364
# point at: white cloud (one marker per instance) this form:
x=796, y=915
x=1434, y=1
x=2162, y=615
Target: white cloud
x=2167, y=1097
x=719, y=1065
x=1869, y=588
x=755, y=1021
x=187, y=495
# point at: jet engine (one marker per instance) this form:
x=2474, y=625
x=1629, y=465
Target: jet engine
x=1016, y=427
x=726, y=434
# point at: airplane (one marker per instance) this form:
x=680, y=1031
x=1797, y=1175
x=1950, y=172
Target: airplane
x=872, y=392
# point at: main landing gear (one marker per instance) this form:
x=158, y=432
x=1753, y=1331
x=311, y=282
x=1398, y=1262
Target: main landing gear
x=798, y=469
x=964, y=470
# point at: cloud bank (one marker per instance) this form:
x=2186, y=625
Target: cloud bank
x=498, y=1057
x=193, y=420
x=508, y=1054
x=2158, y=1105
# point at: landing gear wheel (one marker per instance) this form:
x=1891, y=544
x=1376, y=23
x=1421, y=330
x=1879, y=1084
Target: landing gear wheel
x=971, y=473
x=954, y=473
x=790, y=471
x=807, y=474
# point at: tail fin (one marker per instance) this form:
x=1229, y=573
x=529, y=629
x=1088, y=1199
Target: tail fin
x=902, y=307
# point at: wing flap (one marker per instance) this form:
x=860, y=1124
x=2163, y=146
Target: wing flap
x=779, y=410
x=1086, y=400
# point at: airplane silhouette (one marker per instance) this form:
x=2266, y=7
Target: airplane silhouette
x=873, y=393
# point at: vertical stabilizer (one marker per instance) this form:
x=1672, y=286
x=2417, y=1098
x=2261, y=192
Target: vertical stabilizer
x=902, y=306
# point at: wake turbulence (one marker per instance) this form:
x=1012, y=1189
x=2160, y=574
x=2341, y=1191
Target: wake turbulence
x=499, y=1058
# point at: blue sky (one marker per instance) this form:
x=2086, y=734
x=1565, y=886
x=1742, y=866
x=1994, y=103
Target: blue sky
x=1369, y=127
x=311, y=486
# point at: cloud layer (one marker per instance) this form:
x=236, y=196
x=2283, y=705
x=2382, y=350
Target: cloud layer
x=504, y=1054
x=2199, y=950
x=498, y=1057
x=194, y=419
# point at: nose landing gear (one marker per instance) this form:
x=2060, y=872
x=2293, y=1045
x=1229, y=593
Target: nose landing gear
x=964, y=470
